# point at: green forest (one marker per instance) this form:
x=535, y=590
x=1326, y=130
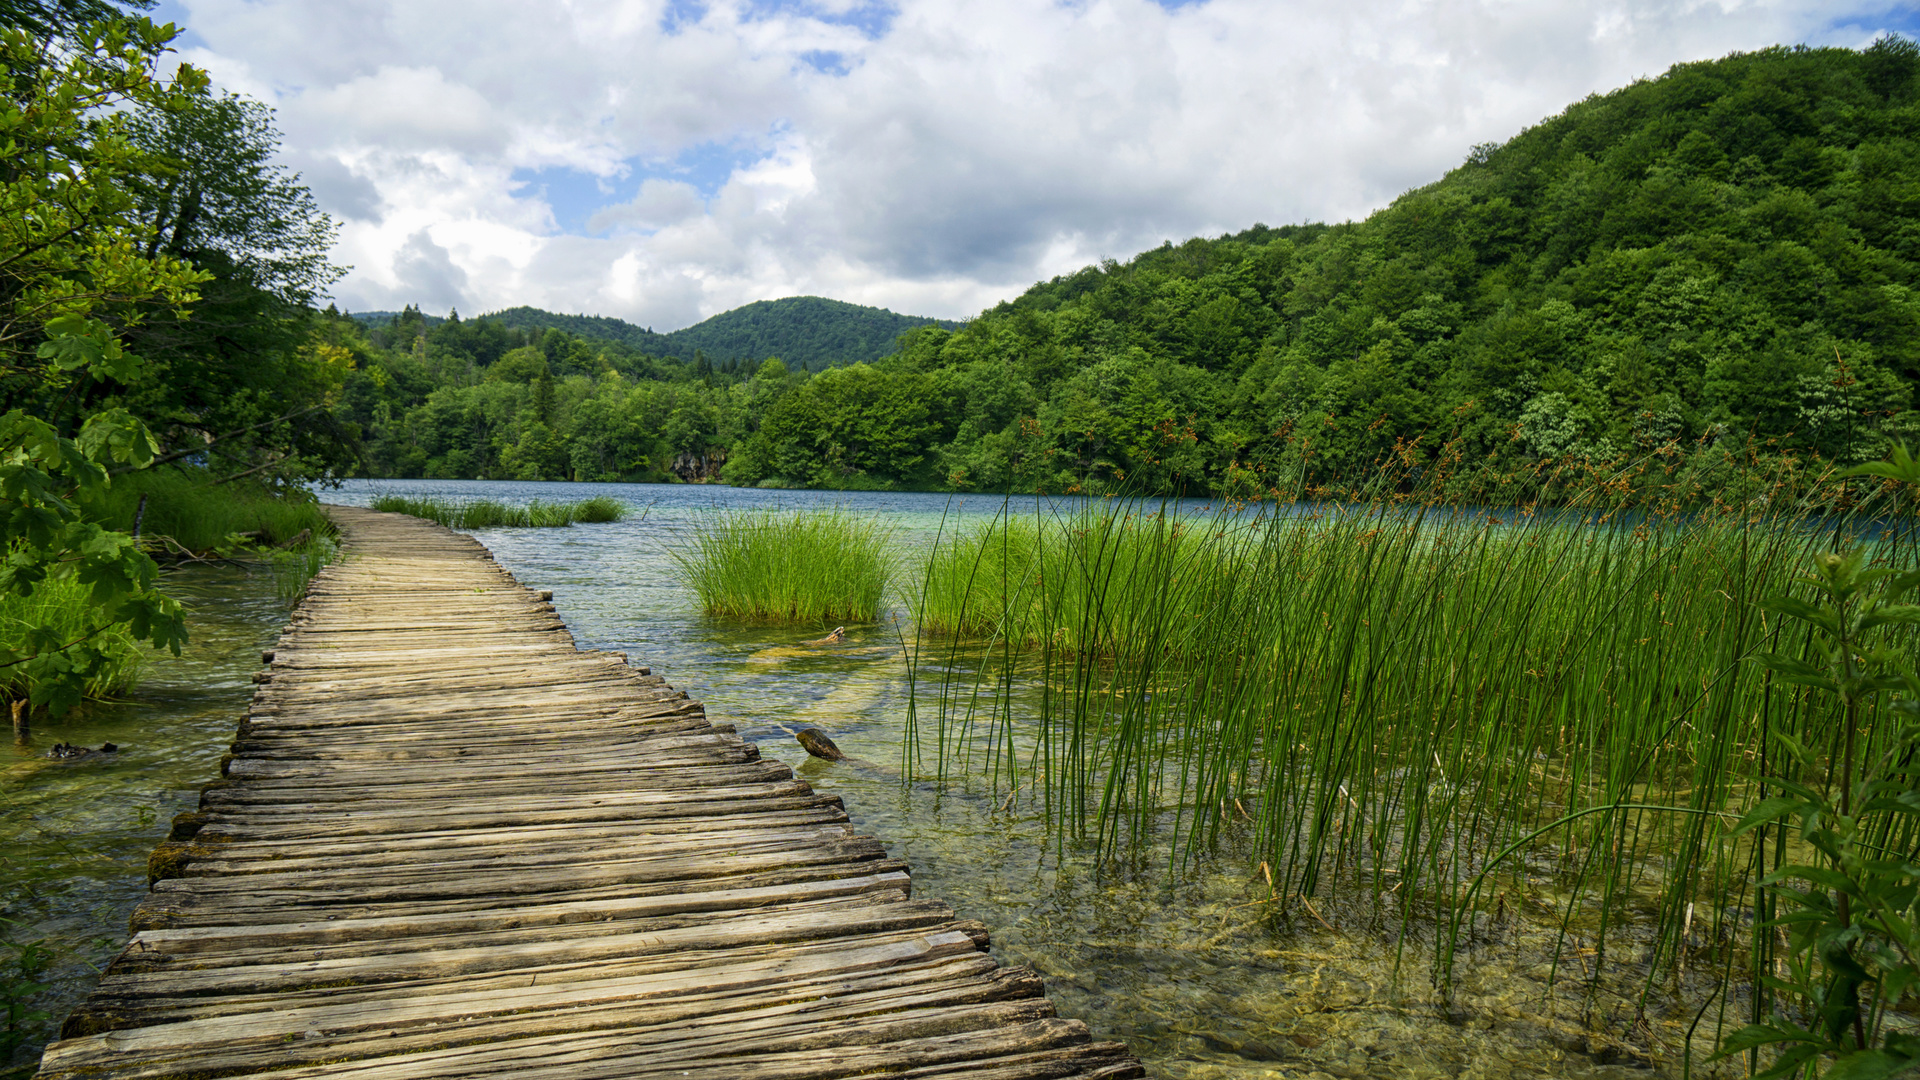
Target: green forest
x=1721, y=259
x=159, y=369
x=810, y=332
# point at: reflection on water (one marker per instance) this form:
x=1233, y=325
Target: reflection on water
x=1189, y=968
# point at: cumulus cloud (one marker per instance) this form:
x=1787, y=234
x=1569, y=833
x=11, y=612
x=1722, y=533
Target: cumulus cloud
x=660, y=203
x=931, y=156
x=425, y=270
x=336, y=187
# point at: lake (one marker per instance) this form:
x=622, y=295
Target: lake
x=1186, y=964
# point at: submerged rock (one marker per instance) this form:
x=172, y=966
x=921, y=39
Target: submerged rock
x=816, y=743
x=68, y=752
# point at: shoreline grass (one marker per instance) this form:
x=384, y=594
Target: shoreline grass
x=488, y=514
x=186, y=513
x=59, y=607
x=1390, y=693
x=817, y=567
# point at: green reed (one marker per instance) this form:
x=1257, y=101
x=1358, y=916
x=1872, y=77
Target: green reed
x=295, y=568
x=798, y=566
x=59, y=604
x=488, y=514
x=1392, y=692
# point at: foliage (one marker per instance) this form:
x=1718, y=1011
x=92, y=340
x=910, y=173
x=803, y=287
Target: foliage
x=809, y=332
x=240, y=383
x=1715, y=260
x=108, y=659
x=487, y=514
x=19, y=984
x=188, y=510
x=812, y=567
x=1401, y=699
x=70, y=257
x=1854, y=930
x=294, y=568
x=92, y=282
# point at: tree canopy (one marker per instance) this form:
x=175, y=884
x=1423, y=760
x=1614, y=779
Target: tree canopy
x=157, y=273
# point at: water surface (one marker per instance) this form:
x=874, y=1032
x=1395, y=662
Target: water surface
x=1187, y=967
x=1190, y=966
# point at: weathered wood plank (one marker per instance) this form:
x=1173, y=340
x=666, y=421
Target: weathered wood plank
x=451, y=844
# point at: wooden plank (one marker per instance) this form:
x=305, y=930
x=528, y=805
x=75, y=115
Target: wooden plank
x=451, y=844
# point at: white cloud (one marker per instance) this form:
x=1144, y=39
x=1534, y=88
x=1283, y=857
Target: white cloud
x=966, y=150
x=658, y=204
x=425, y=269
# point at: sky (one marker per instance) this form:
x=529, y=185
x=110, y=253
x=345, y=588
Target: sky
x=662, y=161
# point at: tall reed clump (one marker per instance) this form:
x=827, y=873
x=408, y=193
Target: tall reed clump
x=798, y=566
x=1418, y=708
x=488, y=514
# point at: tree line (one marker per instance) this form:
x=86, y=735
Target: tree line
x=157, y=280
x=1721, y=258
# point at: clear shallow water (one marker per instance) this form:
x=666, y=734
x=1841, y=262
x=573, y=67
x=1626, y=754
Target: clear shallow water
x=1188, y=968
x=75, y=835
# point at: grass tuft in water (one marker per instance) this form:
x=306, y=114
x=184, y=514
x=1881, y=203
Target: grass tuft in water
x=487, y=514
x=806, y=566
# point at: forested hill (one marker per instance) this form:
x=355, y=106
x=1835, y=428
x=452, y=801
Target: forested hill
x=808, y=332
x=803, y=331
x=1724, y=254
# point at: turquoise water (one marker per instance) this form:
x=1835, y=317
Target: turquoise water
x=1188, y=968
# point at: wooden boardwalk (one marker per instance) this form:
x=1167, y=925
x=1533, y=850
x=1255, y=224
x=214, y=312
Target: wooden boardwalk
x=450, y=844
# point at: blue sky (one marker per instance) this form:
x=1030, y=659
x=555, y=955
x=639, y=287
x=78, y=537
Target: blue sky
x=662, y=160
x=574, y=195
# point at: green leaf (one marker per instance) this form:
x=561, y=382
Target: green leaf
x=1867, y=1065
x=1794, y=607
x=1770, y=810
x=1754, y=1036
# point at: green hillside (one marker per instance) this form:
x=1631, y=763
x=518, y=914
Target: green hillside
x=595, y=327
x=809, y=332
x=1722, y=255
x=803, y=331
x=1719, y=261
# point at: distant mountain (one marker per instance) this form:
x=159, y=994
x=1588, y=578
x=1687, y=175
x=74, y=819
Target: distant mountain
x=601, y=327
x=803, y=331
x=376, y=319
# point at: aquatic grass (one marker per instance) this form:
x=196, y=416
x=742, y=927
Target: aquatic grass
x=1391, y=692
x=295, y=568
x=185, y=512
x=60, y=607
x=815, y=567
x=599, y=510
x=488, y=514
